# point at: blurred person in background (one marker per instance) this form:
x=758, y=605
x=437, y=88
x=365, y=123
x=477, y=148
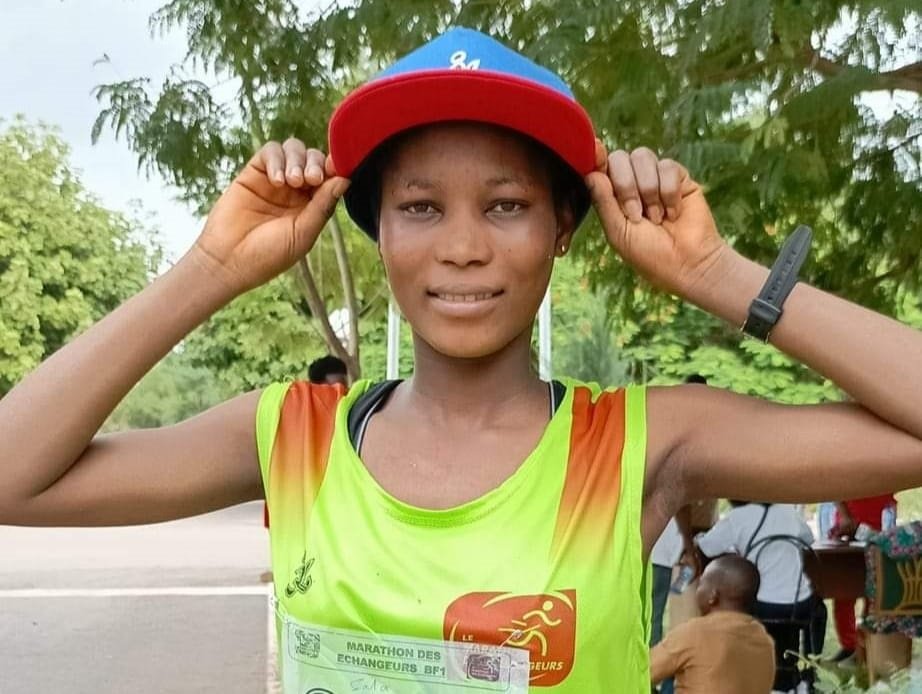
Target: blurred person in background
x=726, y=650
x=877, y=513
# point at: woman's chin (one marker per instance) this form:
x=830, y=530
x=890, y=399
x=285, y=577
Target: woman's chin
x=466, y=344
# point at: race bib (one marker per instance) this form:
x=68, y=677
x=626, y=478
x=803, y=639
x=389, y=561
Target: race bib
x=320, y=660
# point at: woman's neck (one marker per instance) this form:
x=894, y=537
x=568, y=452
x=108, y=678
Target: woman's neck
x=483, y=389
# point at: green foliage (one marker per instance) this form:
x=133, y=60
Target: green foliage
x=583, y=339
x=760, y=99
x=678, y=340
x=197, y=138
x=374, y=349
x=259, y=338
x=65, y=261
x=833, y=679
x=172, y=392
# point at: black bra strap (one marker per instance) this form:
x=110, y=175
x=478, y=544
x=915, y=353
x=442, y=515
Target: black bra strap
x=373, y=399
x=367, y=404
x=558, y=391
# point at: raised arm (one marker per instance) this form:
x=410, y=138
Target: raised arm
x=705, y=442
x=56, y=471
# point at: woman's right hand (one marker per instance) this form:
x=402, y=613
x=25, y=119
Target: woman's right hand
x=270, y=215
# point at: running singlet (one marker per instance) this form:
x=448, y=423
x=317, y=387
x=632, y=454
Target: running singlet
x=538, y=585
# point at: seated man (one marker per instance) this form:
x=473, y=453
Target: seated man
x=757, y=531
x=725, y=651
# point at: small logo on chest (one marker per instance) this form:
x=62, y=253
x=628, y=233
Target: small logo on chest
x=544, y=624
x=301, y=581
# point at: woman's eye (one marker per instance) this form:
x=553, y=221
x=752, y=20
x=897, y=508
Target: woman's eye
x=508, y=207
x=419, y=208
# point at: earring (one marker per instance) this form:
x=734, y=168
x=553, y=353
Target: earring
x=563, y=248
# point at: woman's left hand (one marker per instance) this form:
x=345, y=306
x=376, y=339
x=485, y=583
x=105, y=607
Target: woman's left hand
x=657, y=219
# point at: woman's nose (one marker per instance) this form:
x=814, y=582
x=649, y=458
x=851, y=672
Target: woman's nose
x=464, y=240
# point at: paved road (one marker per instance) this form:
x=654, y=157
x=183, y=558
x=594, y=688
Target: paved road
x=173, y=608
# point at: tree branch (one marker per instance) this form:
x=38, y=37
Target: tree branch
x=908, y=77
x=315, y=303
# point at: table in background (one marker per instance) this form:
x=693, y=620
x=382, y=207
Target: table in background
x=836, y=569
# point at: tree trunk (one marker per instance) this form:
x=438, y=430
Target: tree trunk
x=318, y=309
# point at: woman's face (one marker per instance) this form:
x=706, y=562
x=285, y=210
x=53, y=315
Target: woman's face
x=468, y=232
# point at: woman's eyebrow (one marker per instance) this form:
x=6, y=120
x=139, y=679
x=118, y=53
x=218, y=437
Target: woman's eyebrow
x=423, y=183
x=506, y=179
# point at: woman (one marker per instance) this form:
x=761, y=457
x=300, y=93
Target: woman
x=471, y=523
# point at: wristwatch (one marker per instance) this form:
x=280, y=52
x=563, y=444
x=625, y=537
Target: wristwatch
x=765, y=309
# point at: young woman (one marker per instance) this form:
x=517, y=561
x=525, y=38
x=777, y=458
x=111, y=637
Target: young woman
x=471, y=525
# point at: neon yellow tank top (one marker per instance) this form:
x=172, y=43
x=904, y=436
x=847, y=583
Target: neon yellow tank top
x=538, y=585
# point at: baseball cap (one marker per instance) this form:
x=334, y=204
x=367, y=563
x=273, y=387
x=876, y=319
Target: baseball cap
x=462, y=75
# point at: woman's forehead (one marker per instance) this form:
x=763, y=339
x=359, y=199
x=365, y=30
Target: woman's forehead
x=494, y=154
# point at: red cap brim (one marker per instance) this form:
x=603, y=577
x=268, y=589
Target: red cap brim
x=382, y=108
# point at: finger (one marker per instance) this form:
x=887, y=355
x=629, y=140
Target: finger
x=670, y=186
x=295, y=158
x=271, y=160
x=313, y=172
x=315, y=214
x=601, y=156
x=621, y=173
x=607, y=207
x=687, y=184
x=329, y=169
x=647, y=174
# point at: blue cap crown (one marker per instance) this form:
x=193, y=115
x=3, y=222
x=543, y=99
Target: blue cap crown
x=467, y=49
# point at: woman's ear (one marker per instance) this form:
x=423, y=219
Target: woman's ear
x=566, y=225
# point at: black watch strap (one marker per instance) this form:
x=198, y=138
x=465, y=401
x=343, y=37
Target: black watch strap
x=765, y=309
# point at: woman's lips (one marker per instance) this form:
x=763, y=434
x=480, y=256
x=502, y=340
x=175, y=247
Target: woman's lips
x=464, y=303
x=465, y=298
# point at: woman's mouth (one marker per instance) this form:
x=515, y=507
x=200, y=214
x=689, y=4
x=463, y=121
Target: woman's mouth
x=466, y=298
x=463, y=302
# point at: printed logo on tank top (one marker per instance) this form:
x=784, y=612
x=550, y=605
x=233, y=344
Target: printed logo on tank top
x=301, y=580
x=543, y=624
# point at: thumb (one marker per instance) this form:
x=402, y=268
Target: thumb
x=320, y=208
x=610, y=213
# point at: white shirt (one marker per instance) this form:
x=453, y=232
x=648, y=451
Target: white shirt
x=668, y=548
x=780, y=563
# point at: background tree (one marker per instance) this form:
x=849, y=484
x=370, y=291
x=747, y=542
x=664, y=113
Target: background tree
x=65, y=261
x=763, y=100
x=277, y=87
x=584, y=340
x=174, y=390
